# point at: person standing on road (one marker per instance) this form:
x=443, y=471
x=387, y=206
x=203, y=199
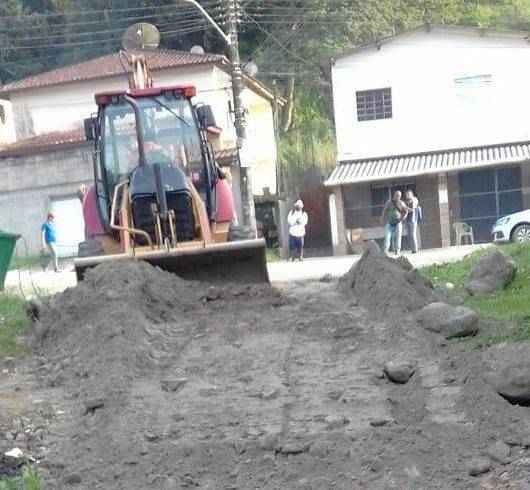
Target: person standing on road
x=414, y=218
x=394, y=212
x=49, y=240
x=297, y=220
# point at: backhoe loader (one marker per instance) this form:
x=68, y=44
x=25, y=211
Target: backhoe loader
x=158, y=193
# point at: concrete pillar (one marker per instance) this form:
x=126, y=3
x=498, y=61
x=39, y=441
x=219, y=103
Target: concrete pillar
x=443, y=201
x=338, y=229
x=283, y=229
x=525, y=184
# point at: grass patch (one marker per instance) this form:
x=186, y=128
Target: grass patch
x=29, y=480
x=510, y=306
x=13, y=322
x=26, y=262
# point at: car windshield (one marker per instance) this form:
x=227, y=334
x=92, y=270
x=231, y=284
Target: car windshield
x=170, y=136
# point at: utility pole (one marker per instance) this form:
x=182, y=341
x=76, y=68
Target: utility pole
x=232, y=40
x=247, y=195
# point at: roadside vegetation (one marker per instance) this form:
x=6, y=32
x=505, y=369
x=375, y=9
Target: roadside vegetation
x=29, y=480
x=506, y=313
x=13, y=322
x=25, y=262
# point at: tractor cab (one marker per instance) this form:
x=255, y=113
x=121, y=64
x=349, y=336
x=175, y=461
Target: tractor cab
x=155, y=141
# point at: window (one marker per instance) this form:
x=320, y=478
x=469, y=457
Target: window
x=374, y=104
x=381, y=194
x=486, y=195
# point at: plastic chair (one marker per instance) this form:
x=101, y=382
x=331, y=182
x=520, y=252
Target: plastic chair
x=354, y=237
x=463, y=230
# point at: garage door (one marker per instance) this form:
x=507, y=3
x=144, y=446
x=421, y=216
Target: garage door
x=70, y=225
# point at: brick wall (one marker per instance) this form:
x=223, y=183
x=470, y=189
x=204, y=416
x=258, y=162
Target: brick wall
x=29, y=183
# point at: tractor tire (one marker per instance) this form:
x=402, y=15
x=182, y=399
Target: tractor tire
x=521, y=234
x=90, y=248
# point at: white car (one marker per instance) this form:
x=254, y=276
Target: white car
x=514, y=227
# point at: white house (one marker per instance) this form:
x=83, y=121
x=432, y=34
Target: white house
x=441, y=110
x=43, y=155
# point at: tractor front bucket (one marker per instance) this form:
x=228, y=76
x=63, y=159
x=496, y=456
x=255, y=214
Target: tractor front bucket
x=241, y=261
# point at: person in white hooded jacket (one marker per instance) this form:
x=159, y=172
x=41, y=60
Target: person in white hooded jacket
x=297, y=220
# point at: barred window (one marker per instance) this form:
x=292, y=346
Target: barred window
x=374, y=104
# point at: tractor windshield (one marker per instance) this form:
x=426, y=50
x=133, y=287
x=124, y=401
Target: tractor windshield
x=170, y=137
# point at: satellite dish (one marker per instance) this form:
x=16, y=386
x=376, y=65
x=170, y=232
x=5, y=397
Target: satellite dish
x=251, y=69
x=197, y=50
x=141, y=36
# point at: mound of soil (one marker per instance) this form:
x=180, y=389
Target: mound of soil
x=118, y=332
x=157, y=383
x=386, y=287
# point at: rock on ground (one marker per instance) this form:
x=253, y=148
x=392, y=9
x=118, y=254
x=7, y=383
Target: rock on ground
x=509, y=371
x=449, y=321
x=386, y=287
x=479, y=466
x=399, y=371
x=493, y=271
x=513, y=382
x=499, y=452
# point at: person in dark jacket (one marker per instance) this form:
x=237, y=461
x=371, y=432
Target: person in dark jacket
x=394, y=213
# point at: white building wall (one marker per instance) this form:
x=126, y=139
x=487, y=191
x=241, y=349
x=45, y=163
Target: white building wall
x=63, y=107
x=261, y=142
x=430, y=110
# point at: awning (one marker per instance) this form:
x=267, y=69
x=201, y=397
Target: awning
x=400, y=166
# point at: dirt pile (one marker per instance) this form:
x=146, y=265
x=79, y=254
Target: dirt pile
x=386, y=287
x=157, y=383
x=115, y=339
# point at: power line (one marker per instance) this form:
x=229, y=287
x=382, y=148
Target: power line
x=279, y=43
x=185, y=30
x=34, y=15
x=86, y=23
x=183, y=24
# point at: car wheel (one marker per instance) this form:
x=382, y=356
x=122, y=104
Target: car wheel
x=521, y=234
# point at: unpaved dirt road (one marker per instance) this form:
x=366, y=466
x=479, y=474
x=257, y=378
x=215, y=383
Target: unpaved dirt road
x=153, y=383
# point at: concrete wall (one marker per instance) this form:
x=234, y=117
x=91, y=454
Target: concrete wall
x=28, y=185
x=450, y=88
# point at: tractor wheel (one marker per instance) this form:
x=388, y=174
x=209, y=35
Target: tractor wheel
x=90, y=248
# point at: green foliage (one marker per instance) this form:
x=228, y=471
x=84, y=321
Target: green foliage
x=29, y=480
x=13, y=322
x=509, y=306
x=309, y=144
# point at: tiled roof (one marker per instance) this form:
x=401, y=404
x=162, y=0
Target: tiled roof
x=398, y=166
x=43, y=143
x=110, y=65
x=75, y=138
